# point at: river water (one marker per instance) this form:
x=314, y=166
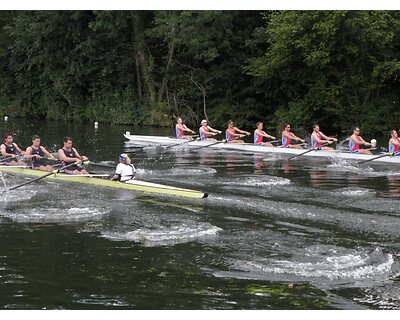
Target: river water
x=273, y=234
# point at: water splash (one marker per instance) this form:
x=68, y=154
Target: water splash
x=163, y=236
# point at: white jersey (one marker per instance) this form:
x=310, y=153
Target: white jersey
x=125, y=171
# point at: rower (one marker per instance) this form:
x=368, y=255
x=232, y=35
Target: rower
x=318, y=138
x=10, y=151
x=69, y=155
x=206, y=131
x=355, y=141
x=180, y=129
x=125, y=169
x=259, y=134
x=36, y=155
x=232, y=136
x=394, y=142
x=288, y=136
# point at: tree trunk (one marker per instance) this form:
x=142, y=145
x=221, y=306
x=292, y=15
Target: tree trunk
x=171, y=50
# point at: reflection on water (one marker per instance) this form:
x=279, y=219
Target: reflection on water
x=310, y=233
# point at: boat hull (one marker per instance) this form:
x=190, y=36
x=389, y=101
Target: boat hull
x=133, y=185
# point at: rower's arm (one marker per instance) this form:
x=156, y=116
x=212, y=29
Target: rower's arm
x=365, y=143
x=315, y=137
x=82, y=158
x=63, y=157
x=242, y=131
x=18, y=149
x=264, y=134
x=4, y=152
x=28, y=154
x=395, y=142
x=294, y=137
x=187, y=129
x=233, y=133
x=214, y=130
x=48, y=154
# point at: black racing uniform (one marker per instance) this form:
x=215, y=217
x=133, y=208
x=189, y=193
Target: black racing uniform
x=71, y=154
x=11, y=150
x=35, y=161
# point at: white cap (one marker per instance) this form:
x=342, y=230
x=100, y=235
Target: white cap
x=125, y=157
x=203, y=121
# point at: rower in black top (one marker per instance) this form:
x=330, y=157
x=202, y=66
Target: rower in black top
x=69, y=155
x=10, y=151
x=37, y=154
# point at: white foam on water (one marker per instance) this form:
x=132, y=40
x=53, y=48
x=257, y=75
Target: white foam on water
x=103, y=300
x=350, y=267
x=165, y=235
x=48, y=215
x=17, y=195
x=256, y=181
x=346, y=165
x=355, y=192
x=177, y=172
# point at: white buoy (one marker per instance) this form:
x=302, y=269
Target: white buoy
x=96, y=124
x=5, y=118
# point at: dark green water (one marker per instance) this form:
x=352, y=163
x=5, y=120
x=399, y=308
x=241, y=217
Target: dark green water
x=273, y=234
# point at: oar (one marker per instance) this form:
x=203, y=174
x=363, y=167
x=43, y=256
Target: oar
x=181, y=143
x=101, y=165
x=4, y=160
x=300, y=154
x=44, y=176
x=391, y=154
x=212, y=144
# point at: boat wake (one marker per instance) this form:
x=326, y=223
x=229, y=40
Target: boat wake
x=255, y=181
x=56, y=215
x=165, y=236
x=321, y=265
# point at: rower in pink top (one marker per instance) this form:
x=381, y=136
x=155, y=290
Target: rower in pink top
x=206, y=132
x=181, y=128
x=233, y=134
x=394, y=142
x=288, y=136
x=318, y=139
x=356, y=140
x=259, y=135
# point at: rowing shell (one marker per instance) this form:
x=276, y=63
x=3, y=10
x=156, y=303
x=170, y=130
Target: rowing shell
x=134, y=185
x=251, y=148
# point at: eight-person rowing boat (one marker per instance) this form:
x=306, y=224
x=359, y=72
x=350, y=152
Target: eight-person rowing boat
x=73, y=168
x=317, y=148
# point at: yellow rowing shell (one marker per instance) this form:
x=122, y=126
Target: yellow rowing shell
x=134, y=185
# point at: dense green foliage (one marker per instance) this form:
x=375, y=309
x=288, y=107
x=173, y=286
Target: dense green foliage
x=147, y=67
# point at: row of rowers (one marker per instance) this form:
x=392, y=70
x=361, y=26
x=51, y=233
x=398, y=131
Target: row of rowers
x=39, y=158
x=288, y=139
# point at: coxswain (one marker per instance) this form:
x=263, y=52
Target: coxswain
x=394, y=143
x=37, y=154
x=10, y=151
x=288, y=136
x=233, y=133
x=318, y=139
x=355, y=141
x=69, y=155
x=206, y=131
x=125, y=170
x=259, y=134
x=181, y=128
